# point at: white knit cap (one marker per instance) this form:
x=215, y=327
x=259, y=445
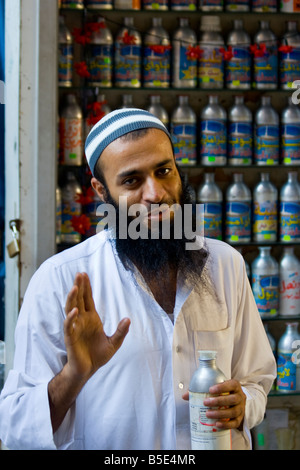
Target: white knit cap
x=114, y=125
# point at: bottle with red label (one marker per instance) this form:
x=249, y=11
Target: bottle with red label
x=289, y=289
x=71, y=132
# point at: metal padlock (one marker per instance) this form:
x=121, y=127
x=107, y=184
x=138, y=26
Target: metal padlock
x=13, y=247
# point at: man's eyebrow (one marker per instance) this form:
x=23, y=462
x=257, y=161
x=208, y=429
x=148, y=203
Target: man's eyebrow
x=136, y=172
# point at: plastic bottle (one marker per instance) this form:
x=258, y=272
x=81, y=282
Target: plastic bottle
x=184, y=5
x=74, y=4
x=239, y=5
x=128, y=56
x=155, y=107
x=211, y=62
x=240, y=133
x=210, y=195
x=289, y=54
x=184, y=132
x=265, y=210
x=71, y=207
x=290, y=134
x=238, y=67
x=127, y=4
x=65, y=55
x=100, y=56
x=157, y=56
x=266, y=134
x=184, y=68
x=288, y=370
x=265, y=283
x=213, y=135
x=99, y=4
x=71, y=132
x=265, y=61
x=211, y=5
x=289, y=292
x=238, y=211
x=289, y=210
x=264, y=6
x=157, y=5
x=204, y=433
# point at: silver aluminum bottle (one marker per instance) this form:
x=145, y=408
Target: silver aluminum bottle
x=210, y=195
x=265, y=210
x=211, y=5
x=290, y=134
x=211, y=62
x=184, y=69
x=265, y=283
x=70, y=208
x=288, y=367
x=236, y=6
x=240, y=133
x=184, y=132
x=213, y=133
x=204, y=434
x=238, y=67
x=289, y=67
x=289, y=292
x=289, y=210
x=157, y=56
x=71, y=132
x=238, y=211
x=96, y=4
x=184, y=5
x=65, y=55
x=100, y=57
x=264, y=6
x=265, y=65
x=127, y=58
x=156, y=108
x=266, y=134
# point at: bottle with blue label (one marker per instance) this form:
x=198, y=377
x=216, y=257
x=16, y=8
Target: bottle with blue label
x=100, y=56
x=240, y=133
x=238, y=211
x=266, y=134
x=288, y=370
x=65, y=55
x=211, y=5
x=265, y=283
x=265, y=210
x=155, y=5
x=184, y=69
x=239, y=5
x=157, y=109
x=99, y=4
x=184, y=132
x=211, y=61
x=289, y=293
x=289, y=210
x=184, y=5
x=290, y=134
x=238, y=65
x=265, y=60
x=213, y=133
x=157, y=56
x=289, y=55
x=210, y=195
x=264, y=6
x=74, y=4
x=128, y=55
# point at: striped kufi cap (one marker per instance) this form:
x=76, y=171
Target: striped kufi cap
x=114, y=125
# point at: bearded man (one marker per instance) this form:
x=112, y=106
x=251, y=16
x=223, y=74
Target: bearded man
x=109, y=332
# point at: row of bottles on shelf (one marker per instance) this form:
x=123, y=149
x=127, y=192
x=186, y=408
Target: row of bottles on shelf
x=261, y=6
x=183, y=61
x=218, y=137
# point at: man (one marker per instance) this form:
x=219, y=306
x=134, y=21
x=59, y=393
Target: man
x=109, y=330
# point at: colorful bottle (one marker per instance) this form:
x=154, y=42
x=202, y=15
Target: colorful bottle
x=210, y=195
x=289, y=6
x=213, y=137
x=158, y=110
x=211, y=5
x=127, y=4
x=157, y=56
x=184, y=133
x=71, y=208
x=265, y=283
x=266, y=134
x=239, y=5
x=289, y=292
x=184, y=69
x=99, y=4
x=238, y=211
x=289, y=63
x=65, y=55
x=128, y=56
x=240, y=133
x=290, y=134
x=265, y=60
x=238, y=65
x=74, y=4
x=184, y=5
x=204, y=433
x=289, y=210
x=71, y=132
x=211, y=61
x=288, y=370
x=264, y=6
x=265, y=210
x=155, y=5
x=100, y=56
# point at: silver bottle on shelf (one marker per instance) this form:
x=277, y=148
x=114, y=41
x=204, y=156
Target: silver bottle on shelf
x=289, y=54
x=240, y=133
x=71, y=132
x=266, y=134
x=155, y=107
x=264, y=6
x=213, y=134
x=157, y=56
x=265, y=283
x=210, y=195
x=290, y=134
x=211, y=5
x=128, y=53
x=184, y=68
x=70, y=208
x=289, y=210
x=265, y=210
x=238, y=67
x=211, y=61
x=289, y=293
x=100, y=56
x=265, y=63
x=204, y=434
x=65, y=55
x=288, y=364
x=238, y=211
x=236, y=6
x=184, y=132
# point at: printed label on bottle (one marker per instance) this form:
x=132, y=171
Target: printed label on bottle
x=65, y=64
x=266, y=67
x=286, y=371
x=154, y=4
x=264, y=5
x=70, y=209
x=290, y=143
x=184, y=137
x=289, y=293
x=238, y=68
x=289, y=223
x=99, y=3
x=72, y=3
x=213, y=141
x=100, y=65
x=156, y=67
x=237, y=5
x=265, y=220
x=211, y=3
x=240, y=143
x=128, y=65
x=211, y=66
x=238, y=221
x=266, y=145
x=289, y=66
x=187, y=65
x=266, y=293
x=213, y=220
x=71, y=141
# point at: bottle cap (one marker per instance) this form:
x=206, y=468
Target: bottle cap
x=210, y=23
x=207, y=355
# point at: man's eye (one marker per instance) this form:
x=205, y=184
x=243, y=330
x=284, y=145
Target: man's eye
x=130, y=181
x=164, y=171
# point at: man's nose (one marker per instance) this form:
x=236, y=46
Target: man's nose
x=153, y=191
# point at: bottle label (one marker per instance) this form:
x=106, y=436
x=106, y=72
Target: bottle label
x=184, y=137
x=213, y=140
x=286, y=371
x=211, y=66
x=128, y=65
x=100, y=64
x=156, y=67
x=290, y=143
x=187, y=65
x=237, y=5
x=289, y=293
x=240, y=143
x=266, y=145
x=289, y=223
x=98, y=3
x=265, y=5
x=266, y=67
x=211, y=3
x=71, y=141
x=265, y=219
x=72, y=3
x=238, y=68
x=213, y=220
x=238, y=221
x=266, y=293
x=289, y=66
x=154, y=5
x=65, y=64
x=70, y=209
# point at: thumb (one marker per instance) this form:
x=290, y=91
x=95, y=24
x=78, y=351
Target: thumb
x=118, y=337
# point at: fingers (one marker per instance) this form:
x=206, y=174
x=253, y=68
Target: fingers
x=80, y=295
x=118, y=337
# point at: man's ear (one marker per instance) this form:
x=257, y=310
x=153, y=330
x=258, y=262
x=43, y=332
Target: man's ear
x=99, y=188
